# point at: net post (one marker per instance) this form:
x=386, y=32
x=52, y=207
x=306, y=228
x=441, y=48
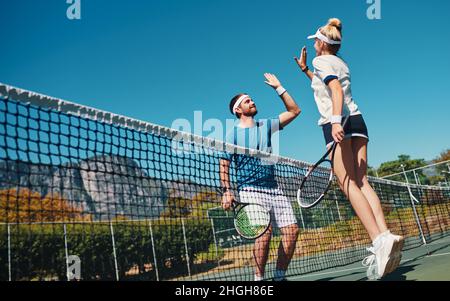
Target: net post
x=114, y=250
x=215, y=242
x=329, y=216
x=9, y=253
x=445, y=176
x=418, y=183
x=381, y=193
x=338, y=211
x=66, y=251
x=301, y=217
x=416, y=177
x=412, y=198
x=186, y=249
x=153, y=249
x=337, y=205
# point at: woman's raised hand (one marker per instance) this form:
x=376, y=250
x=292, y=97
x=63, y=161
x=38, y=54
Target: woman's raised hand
x=301, y=62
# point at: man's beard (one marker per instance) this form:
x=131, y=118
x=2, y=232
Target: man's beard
x=251, y=113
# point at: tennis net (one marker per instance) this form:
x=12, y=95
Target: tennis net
x=91, y=195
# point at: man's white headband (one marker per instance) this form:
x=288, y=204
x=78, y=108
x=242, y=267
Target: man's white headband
x=322, y=37
x=239, y=101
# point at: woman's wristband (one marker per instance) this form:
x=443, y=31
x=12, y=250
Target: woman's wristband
x=336, y=119
x=305, y=70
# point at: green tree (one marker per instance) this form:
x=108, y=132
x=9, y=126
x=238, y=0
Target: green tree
x=442, y=170
x=392, y=167
x=444, y=156
x=26, y=206
x=371, y=171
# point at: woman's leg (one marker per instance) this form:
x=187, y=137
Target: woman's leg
x=344, y=169
x=359, y=147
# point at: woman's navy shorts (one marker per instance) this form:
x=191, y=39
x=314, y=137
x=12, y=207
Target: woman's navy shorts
x=355, y=127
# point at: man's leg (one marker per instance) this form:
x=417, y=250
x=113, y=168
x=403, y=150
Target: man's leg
x=289, y=235
x=261, y=253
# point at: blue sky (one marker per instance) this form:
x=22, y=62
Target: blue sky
x=161, y=60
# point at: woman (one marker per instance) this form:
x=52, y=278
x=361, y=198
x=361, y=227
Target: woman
x=332, y=91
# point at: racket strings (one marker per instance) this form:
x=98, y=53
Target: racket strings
x=252, y=220
x=315, y=184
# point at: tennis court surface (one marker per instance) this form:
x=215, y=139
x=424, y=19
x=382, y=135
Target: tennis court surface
x=427, y=263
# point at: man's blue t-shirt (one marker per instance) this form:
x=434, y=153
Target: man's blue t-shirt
x=251, y=171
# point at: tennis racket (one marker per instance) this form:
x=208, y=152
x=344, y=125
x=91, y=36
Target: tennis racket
x=250, y=220
x=318, y=179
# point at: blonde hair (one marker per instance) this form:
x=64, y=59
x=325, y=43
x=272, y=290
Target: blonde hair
x=333, y=30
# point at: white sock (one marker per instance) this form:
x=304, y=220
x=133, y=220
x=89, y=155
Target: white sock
x=259, y=278
x=279, y=275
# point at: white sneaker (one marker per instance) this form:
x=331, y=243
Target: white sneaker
x=371, y=263
x=383, y=250
x=399, y=239
x=396, y=255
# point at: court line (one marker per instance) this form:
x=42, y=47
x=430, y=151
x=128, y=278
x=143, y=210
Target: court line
x=435, y=255
x=362, y=268
x=332, y=272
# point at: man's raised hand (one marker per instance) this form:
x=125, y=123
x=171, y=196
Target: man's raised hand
x=272, y=80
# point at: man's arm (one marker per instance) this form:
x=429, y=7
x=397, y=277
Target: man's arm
x=224, y=174
x=228, y=196
x=292, y=109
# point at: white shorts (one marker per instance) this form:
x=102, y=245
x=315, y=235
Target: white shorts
x=274, y=201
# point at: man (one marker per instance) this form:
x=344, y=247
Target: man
x=256, y=181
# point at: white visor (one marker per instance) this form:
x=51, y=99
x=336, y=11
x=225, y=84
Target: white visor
x=323, y=38
x=239, y=101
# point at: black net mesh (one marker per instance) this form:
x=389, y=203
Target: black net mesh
x=125, y=203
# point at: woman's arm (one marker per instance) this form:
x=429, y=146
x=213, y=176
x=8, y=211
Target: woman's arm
x=337, y=96
x=302, y=64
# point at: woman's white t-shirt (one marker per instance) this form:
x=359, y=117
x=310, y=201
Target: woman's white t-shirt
x=327, y=68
